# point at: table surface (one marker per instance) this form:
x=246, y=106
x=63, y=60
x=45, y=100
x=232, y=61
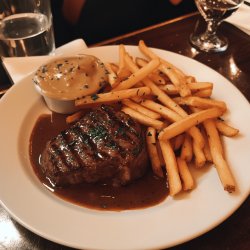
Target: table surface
x=234, y=64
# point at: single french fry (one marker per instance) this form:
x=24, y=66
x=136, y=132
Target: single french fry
x=143, y=119
x=202, y=103
x=205, y=93
x=206, y=148
x=112, y=77
x=198, y=152
x=122, y=72
x=186, y=123
x=190, y=79
x=112, y=96
x=138, y=75
x=199, y=156
x=200, y=85
x=74, y=117
x=179, y=140
x=139, y=108
x=225, y=129
x=194, y=87
x=195, y=133
x=153, y=153
x=224, y=172
x=187, y=149
x=122, y=53
x=174, y=180
x=185, y=174
x=141, y=61
x=221, y=165
x=158, y=147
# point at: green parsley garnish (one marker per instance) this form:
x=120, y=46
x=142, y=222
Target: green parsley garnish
x=94, y=97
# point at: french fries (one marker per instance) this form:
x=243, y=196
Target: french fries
x=112, y=76
x=184, y=124
x=203, y=93
x=113, y=96
x=174, y=180
x=143, y=119
x=199, y=156
x=182, y=119
x=175, y=75
x=206, y=148
x=221, y=165
x=154, y=76
x=178, y=141
x=194, y=87
x=187, y=149
x=162, y=110
x=122, y=71
x=185, y=174
x=138, y=75
x=74, y=117
x=152, y=151
x=172, y=116
x=225, y=129
x=141, y=109
x=202, y=103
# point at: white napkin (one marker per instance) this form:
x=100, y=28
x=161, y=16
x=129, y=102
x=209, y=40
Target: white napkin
x=241, y=18
x=19, y=67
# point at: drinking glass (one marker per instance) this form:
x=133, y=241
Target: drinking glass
x=26, y=28
x=214, y=12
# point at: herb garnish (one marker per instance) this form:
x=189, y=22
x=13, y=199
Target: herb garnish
x=94, y=97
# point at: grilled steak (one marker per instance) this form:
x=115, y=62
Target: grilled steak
x=103, y=145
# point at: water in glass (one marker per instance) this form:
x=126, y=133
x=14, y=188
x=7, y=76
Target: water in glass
x=26, y=34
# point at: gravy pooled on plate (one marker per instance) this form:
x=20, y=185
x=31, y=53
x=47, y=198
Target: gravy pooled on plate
x=147, y=191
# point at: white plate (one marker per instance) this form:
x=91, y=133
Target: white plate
x=172, y=222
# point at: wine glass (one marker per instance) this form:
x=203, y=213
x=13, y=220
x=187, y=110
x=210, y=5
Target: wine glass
x=214, y=12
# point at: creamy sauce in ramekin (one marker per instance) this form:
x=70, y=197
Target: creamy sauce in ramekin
x=71, y=78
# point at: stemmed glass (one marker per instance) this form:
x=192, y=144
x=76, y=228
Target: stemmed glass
x=214, y=12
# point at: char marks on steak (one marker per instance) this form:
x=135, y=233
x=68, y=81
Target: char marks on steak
x=103, y=145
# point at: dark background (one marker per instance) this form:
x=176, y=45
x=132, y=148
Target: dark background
x=104, y=19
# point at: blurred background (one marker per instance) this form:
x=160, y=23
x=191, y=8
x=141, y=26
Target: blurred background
x=98, y=20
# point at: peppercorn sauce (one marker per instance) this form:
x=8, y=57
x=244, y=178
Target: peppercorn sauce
x=70, y=78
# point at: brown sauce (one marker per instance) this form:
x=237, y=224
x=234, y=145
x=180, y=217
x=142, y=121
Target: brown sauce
x=145, y=192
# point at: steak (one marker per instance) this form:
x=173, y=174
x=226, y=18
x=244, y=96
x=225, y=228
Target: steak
x=104, y=144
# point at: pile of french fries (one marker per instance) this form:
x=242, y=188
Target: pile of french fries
x=184, y=125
